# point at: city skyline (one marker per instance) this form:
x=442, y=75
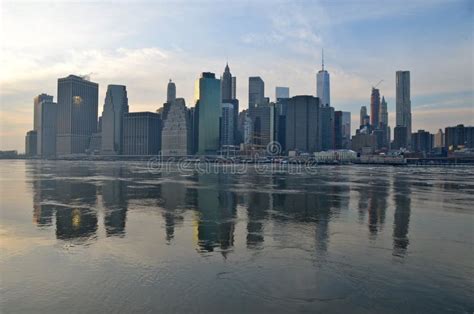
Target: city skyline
x=145, y=64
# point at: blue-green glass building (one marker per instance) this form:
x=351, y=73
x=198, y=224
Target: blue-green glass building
x=208, y=99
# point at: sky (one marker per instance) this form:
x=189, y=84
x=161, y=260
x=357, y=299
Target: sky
x=142, y=44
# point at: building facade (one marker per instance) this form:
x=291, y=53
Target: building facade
x=171, y=92
x=363, y=116
x=399, y=137
x=346, y=130
x=322, y=86
x=375, y=108
x=176, y=132
x=282, y=93
x=77, y=114
x=439, y=139
x=31, y=140
x=141, y=133
x=227, y=125
x=256, y=91
x=208, y=99
x=36, y=112
x=47, y=129
x=327, y=127
x=303, y=128
x=422, y=142
x=403, y=102
x=262, y=123
x=226, y=84
x=115, y=107
x=458, y=136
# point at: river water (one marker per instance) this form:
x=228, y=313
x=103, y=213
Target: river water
x=93, y=237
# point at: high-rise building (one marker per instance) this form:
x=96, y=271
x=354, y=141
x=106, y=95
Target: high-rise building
x=77, y=114
x=383, y=124
x=322, y=86
x=338, y=129
x=208, y=99
x=234, y=87
x=302, y=124
x=176, y=132
x=141, y=133
x=439, y=139
x=363, y=115
x=227, y=125
x=342, y=130
x=282, y=93
x=327, y=127
x=281, y=109
x=256, y=91
x=459, y=135
x=171, y=92
x=115, y=107
x=262, y=123
x=36, y=101
x=374, y=108
x=363, y=143
x=31, y=140
x=421, y=142
x=346, y=130
x=403, y=102
x=47, y=128
x=383, y=113
x=194, y=121
x=226, y=84
x=399, y=137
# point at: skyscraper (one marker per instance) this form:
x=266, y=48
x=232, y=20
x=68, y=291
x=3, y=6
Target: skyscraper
x=31, y=142
x=383, y=113
x=262, y=116
x=327, y=127
x=403, y=102
x=234, y=87
x=256, y=91
x=439, y=139
x=47, y=128
x=346, y=129
x=176, y=132
x=363, y=115
x=459, y=135
x=302, y=124
x=226, y=83
x=171, y=92
x=227, y=124
x=36, y=101
x=208, y=99
x=383, y=123
x=77, y=114
x=399, y=137
x=338, y=129
x=282, y=93
x=342, y=130
x=374, y=108
x=322, y=85
x=115, y=107
x=141, y=133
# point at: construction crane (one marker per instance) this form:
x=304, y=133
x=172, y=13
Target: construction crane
x=377, y=84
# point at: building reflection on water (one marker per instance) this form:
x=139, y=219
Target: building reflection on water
x=115, y=202
x=401, y=219
x=216, y=214
x=72, y=198
x=373, y=204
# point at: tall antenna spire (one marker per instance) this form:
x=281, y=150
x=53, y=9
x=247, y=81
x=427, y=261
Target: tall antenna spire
x=322, y=57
